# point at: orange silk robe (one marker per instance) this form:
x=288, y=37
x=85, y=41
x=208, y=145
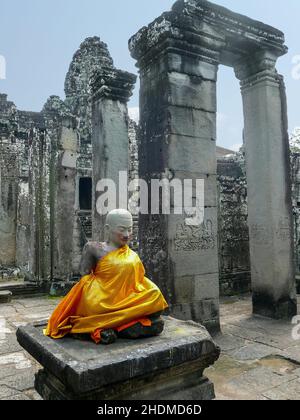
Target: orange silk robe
x=115, y=295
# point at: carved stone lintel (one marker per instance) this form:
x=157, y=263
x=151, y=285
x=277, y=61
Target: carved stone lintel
x=193, y=26
x=112, y=84
x=172, y=33
x=235, y=24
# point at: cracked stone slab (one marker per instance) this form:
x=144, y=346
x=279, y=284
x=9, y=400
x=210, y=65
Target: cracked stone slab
x=260, y=380
x=240, y=332
x=32, y=395
x=293, y=353
x=9, y=345
x=287, y=391
x=228, y=342
x=19, y=360
x=6, y=392
x=253, y=351
x=20, y=382
x=6, y=310
x=297, y=372
x=10, y=369
x=37, y=303
x=17, y=397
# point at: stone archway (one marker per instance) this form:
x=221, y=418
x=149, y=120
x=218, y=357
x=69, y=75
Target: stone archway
x=178, y=56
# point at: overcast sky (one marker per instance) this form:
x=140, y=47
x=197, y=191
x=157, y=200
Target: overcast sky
x=39, y=37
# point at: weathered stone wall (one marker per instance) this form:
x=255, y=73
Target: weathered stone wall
x=235, y=272
x=8, y=201
x=18, y=129
x=8, y=182
x=133, y=174
x=44, y=157
x=295, y=160
x=234, y=257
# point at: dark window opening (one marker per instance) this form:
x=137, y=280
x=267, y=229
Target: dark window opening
x=85, y=193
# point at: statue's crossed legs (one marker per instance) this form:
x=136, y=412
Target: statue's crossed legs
x=137, y=330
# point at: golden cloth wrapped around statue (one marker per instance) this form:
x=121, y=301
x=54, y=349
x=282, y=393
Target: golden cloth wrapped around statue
x=115, y=295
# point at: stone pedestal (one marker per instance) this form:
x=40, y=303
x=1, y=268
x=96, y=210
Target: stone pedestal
x=169, y=366
x=111, y=91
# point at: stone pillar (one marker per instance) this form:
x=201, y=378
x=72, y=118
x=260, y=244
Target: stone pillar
x=111, y=90
x=64, y=192
x=8, y=201
x=178, y=142
x=39, y=263
x=269, y=187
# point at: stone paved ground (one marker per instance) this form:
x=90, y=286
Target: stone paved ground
x=17, y=368
x=260, y=359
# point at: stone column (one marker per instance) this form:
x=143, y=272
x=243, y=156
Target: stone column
x=8, y=201
x=63, y=188
x=178, y=142
x=269, y=187
x=111, y=90
x=39, y=261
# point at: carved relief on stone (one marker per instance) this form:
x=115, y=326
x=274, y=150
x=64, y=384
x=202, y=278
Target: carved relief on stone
x=153, y=252
x=260, y=234
x=195, y=238
x=283, y=231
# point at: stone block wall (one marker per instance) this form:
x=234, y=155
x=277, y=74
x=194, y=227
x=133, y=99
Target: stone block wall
x=235, y=273
x=8, y=201
x=295, y=164
x=134, y=172
x=234, y=254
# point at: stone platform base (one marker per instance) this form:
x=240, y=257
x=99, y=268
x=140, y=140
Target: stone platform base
x=21, y=289
x=264, y=305
x=169, y=366
x=172, y=385
x=5, y=296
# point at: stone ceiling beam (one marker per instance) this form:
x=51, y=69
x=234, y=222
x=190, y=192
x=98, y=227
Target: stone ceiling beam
x=203, y=28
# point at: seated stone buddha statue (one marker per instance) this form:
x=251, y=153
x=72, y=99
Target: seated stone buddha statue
x=113, y=298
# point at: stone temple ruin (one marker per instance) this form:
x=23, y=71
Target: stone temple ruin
x=47, y=162
x=51, y=162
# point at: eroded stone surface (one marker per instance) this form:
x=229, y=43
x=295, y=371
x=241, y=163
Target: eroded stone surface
x=258, y=360
x=139, y=368
x=17, y=368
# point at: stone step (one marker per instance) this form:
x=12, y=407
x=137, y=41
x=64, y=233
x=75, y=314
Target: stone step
x=20, y=288
x=8, y=284
x=5, y=296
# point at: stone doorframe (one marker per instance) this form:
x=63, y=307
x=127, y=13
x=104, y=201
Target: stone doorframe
x=178, y=57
